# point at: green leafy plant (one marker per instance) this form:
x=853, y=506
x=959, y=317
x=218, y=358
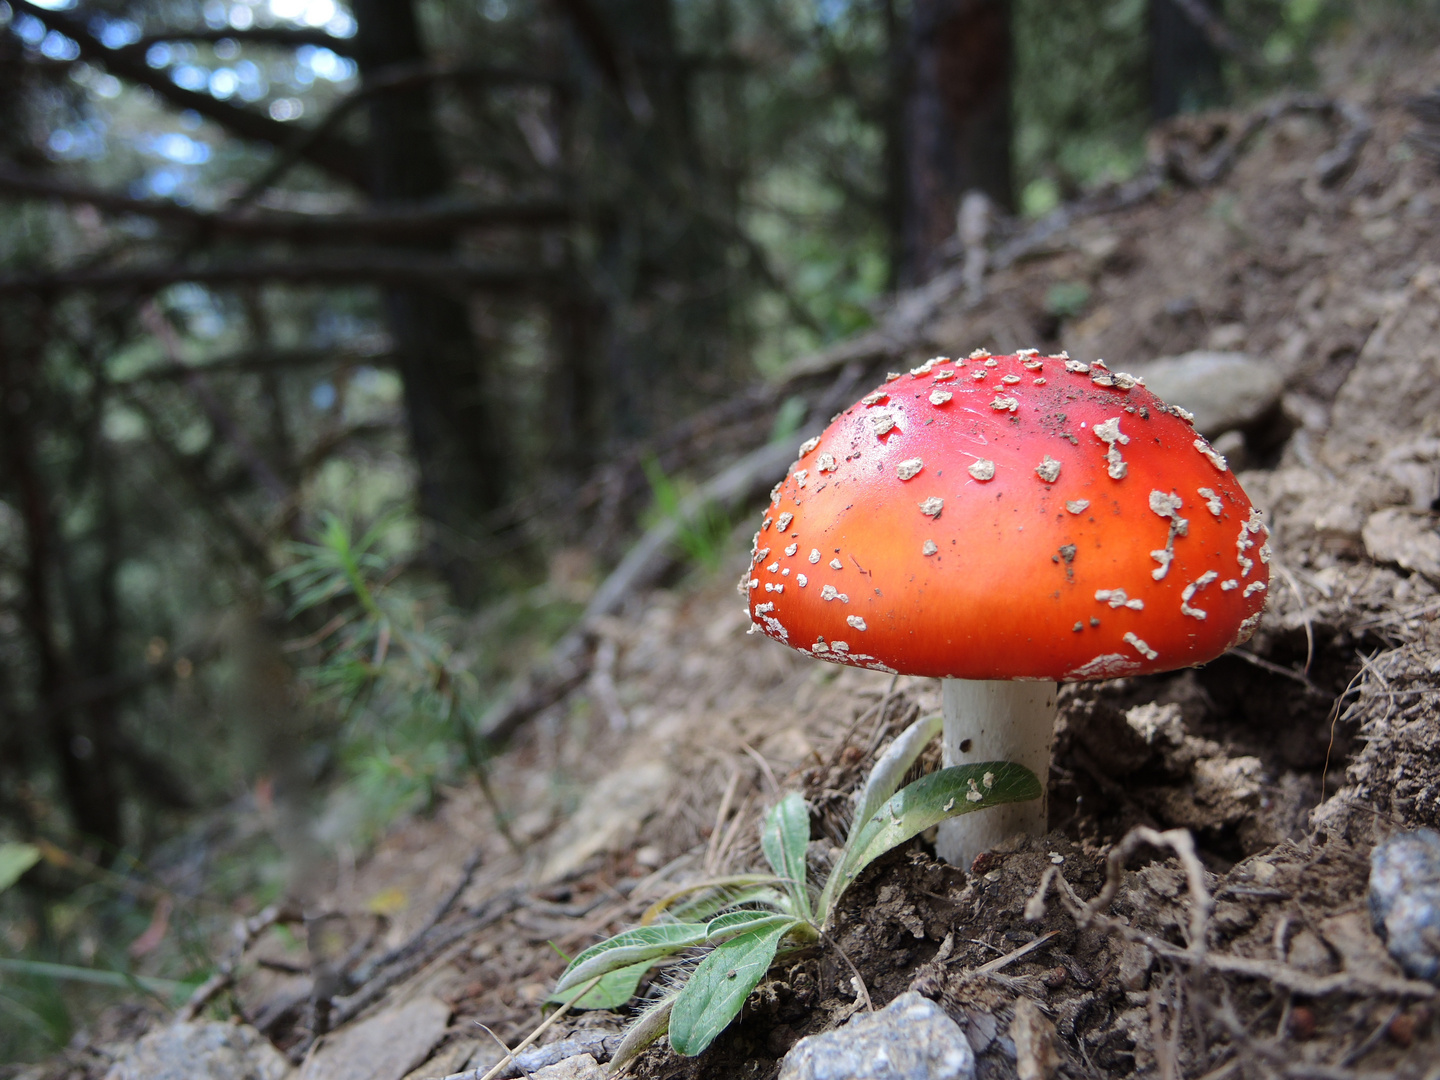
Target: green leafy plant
x=15, y=859
x=407, y=701
x=702, y=535
x=745, y=921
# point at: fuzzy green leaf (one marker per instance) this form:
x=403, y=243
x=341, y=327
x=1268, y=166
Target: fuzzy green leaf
x=612, y=991
x=891, y=767
x=784, y=836
x=929, y=800
x=647, y=943
x=706, y=905
x=735, y=923
x=15, y=859
x=718, y=988
x=648, y=1026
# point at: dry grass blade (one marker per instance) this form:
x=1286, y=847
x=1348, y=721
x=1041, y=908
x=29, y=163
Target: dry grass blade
x=1009, y=958
x=544, y=1026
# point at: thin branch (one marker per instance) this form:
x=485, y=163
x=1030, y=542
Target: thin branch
x=544, y=1026
x=283, y=37
x=1197, y=954
x=246, y=931
x=398, y=77
x=361, y=267
x=254, y=360
x=467, y=874
x=426, y=220
x=335, y=155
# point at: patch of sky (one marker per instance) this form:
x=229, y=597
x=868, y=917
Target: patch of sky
x=82, y=141
x=217, y=14
x=322, y=396
x=325, y=63
x=494, y=10
x=253, y=84
x=100, y=83
x=315, y=13
x=241, y=17
x=203, y=316
x=830, y=12
x=30, y=30
x=224, y=83
x=287, y=108
x=115, y=33
x=190, y=77
x=57, y=46
x=163, y=182
x=54, y=5
x=177, y=147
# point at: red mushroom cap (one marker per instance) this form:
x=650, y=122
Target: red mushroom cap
x=1010, y=517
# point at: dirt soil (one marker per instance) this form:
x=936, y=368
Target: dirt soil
x=1315, y=251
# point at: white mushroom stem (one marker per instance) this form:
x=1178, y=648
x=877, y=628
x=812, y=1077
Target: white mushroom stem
x=996, y=721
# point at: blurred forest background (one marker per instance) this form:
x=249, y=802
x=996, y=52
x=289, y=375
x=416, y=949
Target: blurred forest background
x=343, y=349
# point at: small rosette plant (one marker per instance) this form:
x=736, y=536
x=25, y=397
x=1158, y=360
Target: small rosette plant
x=741, y=923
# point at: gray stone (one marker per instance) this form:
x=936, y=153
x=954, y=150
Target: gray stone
x=1405, y=900
x=1225, y=390
x=201, y=1051
x=910, y=1039
x=384, y=1046
x=579, y=1067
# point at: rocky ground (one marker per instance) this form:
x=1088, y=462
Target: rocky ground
x=1302, y=235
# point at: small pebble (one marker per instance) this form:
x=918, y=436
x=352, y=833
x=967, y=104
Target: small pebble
x=1405, y=900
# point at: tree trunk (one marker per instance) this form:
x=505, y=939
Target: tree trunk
x=1184, y=65
x=454, y=428
x=82, y=752
x=957, y=121
x=896, y=85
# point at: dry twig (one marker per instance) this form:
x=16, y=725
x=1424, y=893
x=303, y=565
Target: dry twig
x=246, y=931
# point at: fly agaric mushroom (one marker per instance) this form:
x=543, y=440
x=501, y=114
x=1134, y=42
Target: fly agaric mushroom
x=1004, y=523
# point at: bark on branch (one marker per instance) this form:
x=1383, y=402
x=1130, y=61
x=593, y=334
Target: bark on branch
x=425, y=220
x=360, y=267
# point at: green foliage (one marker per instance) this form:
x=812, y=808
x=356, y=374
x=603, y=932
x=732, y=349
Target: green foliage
x=702, y=535
x=762, y=914
x=1081, y=95
x=1066, y=299
x=718, y=987
x=1082, y=76
x=406, y=701
x=788, y=418
x=15, y=859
